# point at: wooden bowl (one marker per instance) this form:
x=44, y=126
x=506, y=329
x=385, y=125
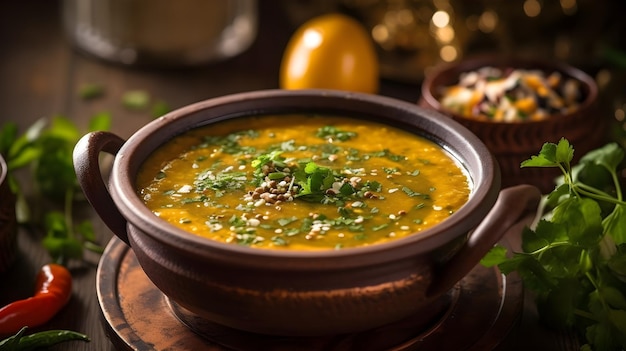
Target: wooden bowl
x=514, y=142
x=8, y=222
x=302, y=293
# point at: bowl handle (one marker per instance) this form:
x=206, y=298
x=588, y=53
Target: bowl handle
x=87, y=167
x=515, y=208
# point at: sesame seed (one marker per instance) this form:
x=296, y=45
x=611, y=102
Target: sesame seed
x=185, y=189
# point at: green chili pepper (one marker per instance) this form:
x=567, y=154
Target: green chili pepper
x=44, y=339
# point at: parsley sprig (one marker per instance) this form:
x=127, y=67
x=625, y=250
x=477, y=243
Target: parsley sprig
x=574, y=258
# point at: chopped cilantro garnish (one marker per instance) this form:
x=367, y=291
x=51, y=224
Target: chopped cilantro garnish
x=219, y=181
x=286, y=221
x=334, y=133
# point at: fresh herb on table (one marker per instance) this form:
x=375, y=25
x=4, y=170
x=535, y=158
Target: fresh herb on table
x=160, y=108
x=45, y=150
x=136, y=99
x=91, y=91
x=574, y=259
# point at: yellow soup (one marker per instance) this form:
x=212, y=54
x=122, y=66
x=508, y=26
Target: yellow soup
x=302, y=182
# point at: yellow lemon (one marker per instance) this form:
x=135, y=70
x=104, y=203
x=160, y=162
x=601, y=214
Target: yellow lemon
x=331, y=51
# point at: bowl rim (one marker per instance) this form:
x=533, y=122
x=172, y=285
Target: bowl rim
x=428, y=87
x=123, y=191
x=4, y=169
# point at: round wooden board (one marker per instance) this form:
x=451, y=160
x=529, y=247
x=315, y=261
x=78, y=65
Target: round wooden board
x=477, y=315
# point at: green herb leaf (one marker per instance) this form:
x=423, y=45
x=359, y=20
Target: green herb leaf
x=136, y=99
x=91, y=91
x=494, y=257
x=610, y=156
x=100, y=121
x=334, y=133
x=615, y=224
x=160, y=108
x=575, y=257
x=47, y=147
x=582, y=220
x=8, y=134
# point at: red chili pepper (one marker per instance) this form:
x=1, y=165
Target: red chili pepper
x=53, y=290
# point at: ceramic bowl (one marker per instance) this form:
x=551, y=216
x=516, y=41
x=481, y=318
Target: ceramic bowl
x=8, y=222
x=300, y=293
x=514, y=142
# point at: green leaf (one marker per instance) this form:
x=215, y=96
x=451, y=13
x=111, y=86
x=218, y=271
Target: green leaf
x=25, y=157
x=315, y=180
x=534, y=275
x=286, y=221
x=613, y=296
x=562, y=261
x=264, y=159
x=55, y=225
x=91, y=91
x=63, y=128
x=617, y=265
x=136, y=99
x=564, y=152
x=557, y=307
x=615, y=224
x=609, y=156
x=279, y=240
x=495, y=256
x=585, y=262
x=27, y=139
x=160, y=108
x=546, y=157
x=63, y=248
x=85, y=229
x=54, y=170
x=618, y=318
x=334, y=133
x=582, y=220
x=557, y=195
x=545, y=233
x=100, y=121
x=8, y=134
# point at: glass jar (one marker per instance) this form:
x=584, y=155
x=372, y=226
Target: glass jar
x=161, y=32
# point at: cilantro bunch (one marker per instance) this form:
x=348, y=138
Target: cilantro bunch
x=574, y=258
x=44, y=151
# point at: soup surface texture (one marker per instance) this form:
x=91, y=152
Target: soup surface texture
x=303, y=182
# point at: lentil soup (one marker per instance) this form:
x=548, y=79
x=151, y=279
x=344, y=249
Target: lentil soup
x=302, y=182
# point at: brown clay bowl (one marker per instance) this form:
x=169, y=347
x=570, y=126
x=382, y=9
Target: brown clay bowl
x=512, y=143
x=300, y=293
x=8, y=222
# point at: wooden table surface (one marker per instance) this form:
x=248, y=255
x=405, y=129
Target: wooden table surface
x=41, y=75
